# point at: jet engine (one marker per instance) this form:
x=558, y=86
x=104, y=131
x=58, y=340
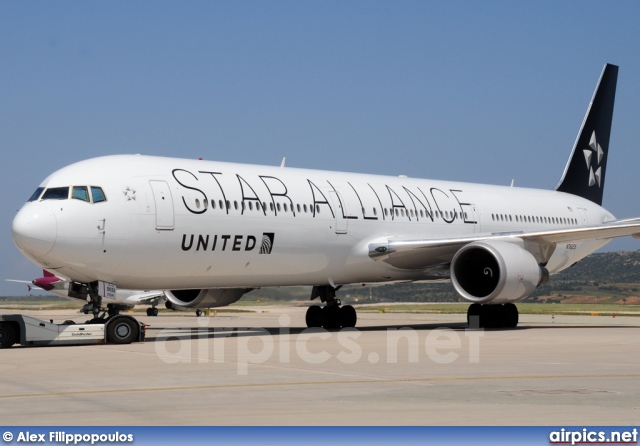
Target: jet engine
x=205, y=298
x=495, y=272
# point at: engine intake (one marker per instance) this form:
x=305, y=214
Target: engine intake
x=496, y=272
x=205, y=298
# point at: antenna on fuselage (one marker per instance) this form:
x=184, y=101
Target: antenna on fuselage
x=284, y=158
x=512, y=181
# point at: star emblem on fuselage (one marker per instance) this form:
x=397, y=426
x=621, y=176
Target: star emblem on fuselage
x=129, y=193
x=594, y=156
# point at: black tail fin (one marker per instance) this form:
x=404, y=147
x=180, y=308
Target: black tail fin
x=585, y=171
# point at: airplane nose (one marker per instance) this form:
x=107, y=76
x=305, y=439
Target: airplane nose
x=34, y=230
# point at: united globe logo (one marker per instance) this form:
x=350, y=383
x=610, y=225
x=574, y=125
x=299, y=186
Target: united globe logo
x=267, y=243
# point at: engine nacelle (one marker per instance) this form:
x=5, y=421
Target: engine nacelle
x=206, y=298
x=495, y=272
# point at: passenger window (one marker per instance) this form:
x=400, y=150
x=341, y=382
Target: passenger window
x=98, y=195
x=56, y=193
x=36, y=194
x=80, y=193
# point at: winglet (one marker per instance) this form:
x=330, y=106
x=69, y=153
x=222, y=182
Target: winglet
x=584, y=174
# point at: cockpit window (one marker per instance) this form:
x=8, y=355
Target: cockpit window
x=98, y=195
x=56, y=193
x=36, y=194
x=80, y=193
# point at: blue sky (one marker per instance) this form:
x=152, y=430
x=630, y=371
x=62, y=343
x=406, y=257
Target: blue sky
x=472, y=91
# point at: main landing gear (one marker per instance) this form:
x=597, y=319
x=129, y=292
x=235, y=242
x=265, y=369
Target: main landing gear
x=492, y=316
x=332, y=315
x=152, y=311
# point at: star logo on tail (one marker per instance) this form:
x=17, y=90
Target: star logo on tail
x=592, y=156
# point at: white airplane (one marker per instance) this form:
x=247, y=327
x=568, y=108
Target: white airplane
x=123, y=300
x=212, y=231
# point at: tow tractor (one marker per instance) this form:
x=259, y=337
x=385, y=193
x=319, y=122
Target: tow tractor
x=27, y=331
x=113, y=329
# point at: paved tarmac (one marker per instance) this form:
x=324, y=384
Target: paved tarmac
x=264, y=368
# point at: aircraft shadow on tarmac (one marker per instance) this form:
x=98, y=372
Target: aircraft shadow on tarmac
x=154, y=334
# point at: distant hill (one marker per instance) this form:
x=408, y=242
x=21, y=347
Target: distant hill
x=611, y=267
x=35, y=298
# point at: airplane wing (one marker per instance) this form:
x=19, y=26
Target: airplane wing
x=28, y=282
x=145, y=298
x=437, y=253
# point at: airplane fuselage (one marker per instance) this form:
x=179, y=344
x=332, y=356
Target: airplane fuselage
x=173, y=223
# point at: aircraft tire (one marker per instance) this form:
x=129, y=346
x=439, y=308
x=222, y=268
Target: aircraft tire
x=474, y=311
x=348, y=316
x=331, y=317
x=112, y=311
x=123, y=330
x=154, y=311
x=313, y=318
x=510, y=315
x=8, y=335
x=491, y=316
x=198, y=312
